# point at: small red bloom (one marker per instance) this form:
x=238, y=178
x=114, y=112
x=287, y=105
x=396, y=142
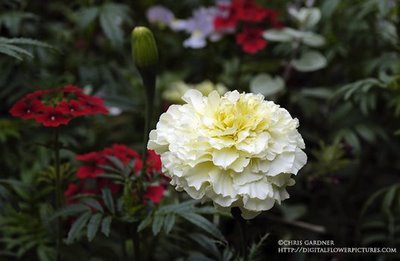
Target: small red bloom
x=251, y=40
x=72, y=190
x=72, y=89
x=92, y=104
x=227, y=18
x=72, y=107
x=85, y=172
x=249, y=11
x=37, y=94
x=91, y=156
x=27, y=109
x=52, y=117
x=153, y=162
x=154, y=193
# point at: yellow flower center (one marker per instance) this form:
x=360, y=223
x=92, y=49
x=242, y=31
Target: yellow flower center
x=245, y=116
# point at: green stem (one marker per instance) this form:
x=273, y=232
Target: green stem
x=149, y=82
x=136, y=244
x=58, y=192
x=236, y=213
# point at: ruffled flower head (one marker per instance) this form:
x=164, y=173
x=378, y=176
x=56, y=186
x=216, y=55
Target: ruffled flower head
x=237, y=150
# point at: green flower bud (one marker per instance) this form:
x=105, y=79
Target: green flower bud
x=144, y=48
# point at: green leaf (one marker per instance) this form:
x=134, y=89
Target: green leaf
x=266, y=85
x=116, y=162
x=7, y=51
x=389, y=197
x=111, y=17
x=93, y=225
x=86, y=16
x=169, y=222
x=313, y=40
x=78, y=226
x=278, y=35
x=145, y=223
x=108, y=200
x=309, y=61
x=293, y=212
x=106, y=225
x=93, y=203
x=306, y=17
x=203, y=223
x=157, y=223
x=207, y=244
x=69, y=211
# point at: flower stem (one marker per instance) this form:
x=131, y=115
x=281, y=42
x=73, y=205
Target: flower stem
x=149, y=82
x=236, y=213
x=57, y=189
x=136, y=244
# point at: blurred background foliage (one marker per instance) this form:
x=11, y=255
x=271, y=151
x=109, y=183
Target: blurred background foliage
x=348, y=107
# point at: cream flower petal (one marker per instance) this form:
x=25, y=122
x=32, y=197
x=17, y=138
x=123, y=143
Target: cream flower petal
x=237, y=150
x=225, y=157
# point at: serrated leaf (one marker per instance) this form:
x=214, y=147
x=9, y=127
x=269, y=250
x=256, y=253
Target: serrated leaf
x=11, y=53
x=179, y=208
x=93, y=226
x=108, y=200
x=69, y=210
x=106, y=225
x=309, y=61
x=169, y=222
x=203, y=223
x=116, y=162
x=145, y=223
x=78, y=226
x=207, y=244
x=93, y=203
x=157, y=224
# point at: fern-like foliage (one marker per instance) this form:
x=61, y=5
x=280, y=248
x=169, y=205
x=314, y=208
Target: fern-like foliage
x=380, y=222
x=16, y=47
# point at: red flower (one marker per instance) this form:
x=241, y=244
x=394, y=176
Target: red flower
x=153, y=162
x=154, y=193
x=251, y=40
x=52, y=117
x=72, y=107
x=72, y=89
x=107, y=183
x=92, y=104
x=72, y=190
x=26, y=109
x=227, y=18
x=85, y=172
x=37, y=94
x=249, y=11
x=94, y=164
x=66, y=103
x=91, y=156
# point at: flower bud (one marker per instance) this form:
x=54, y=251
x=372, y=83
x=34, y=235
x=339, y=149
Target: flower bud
x=144, y=48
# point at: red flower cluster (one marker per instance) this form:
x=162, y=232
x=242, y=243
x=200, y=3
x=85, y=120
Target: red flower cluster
x=248, y=16
x=91, y=182
x=55, y=107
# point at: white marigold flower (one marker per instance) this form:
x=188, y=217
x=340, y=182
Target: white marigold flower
x=237, y=150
